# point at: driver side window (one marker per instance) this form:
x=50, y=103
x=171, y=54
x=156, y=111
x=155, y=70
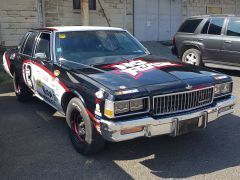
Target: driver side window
x=43, y=45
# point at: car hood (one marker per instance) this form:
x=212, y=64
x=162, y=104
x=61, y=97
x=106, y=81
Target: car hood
x=143, y=72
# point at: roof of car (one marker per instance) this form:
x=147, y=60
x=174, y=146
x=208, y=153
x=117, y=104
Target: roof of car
x=79, y=28
x=215, y=15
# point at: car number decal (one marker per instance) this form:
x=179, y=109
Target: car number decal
x=44, y=82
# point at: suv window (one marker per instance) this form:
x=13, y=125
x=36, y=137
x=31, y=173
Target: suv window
x=30, y=43
x=233, y=27
x=216, y=25
x=205, y=27
x=43, y=45
x=190, y=25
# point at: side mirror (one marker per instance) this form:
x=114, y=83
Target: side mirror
x=40, y=56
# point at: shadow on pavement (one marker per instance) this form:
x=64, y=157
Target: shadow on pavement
x=229, y=72
x=34, y=142
x=202, y=152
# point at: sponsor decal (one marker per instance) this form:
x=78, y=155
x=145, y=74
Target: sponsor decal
x=137, y=67
x=97, y=112
x=39, y=83
x=129, y=91
x=62, y=36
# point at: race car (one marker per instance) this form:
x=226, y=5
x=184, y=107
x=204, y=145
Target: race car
x=110, y=88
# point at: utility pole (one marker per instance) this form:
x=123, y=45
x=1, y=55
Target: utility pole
x=85, y=12
x=124, y=14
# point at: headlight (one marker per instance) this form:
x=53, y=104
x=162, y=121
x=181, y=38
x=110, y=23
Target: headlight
x=128, y=107
x=222, y=89
x=121, y=107
x=136, y=104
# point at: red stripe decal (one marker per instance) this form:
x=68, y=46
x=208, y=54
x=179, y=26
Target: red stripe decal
x=7, y=60
x=47, y=71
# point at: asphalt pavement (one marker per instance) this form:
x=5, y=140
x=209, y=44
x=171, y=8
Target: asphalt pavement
x=34, y=144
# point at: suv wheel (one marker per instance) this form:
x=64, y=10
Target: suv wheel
x=85, y=138
x=192, y=56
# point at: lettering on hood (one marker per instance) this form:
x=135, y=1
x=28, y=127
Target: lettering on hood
x=135, y=68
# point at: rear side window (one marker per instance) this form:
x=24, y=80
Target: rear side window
x=190, y=25
x=28, y=47
x=216, y=25
x=233, y=27
x=205, y=27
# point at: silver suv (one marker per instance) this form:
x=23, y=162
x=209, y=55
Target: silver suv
x=212, y=41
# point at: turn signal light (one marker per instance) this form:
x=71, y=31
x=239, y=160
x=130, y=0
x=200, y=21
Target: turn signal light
x=132, y=130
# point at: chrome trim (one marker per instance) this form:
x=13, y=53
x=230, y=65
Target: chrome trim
x=111, y=130
x=131, y=114
x=184, y=93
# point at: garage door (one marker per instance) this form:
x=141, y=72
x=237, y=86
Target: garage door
x=156, y=20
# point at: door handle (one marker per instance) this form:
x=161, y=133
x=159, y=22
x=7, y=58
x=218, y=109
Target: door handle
x=228, y=41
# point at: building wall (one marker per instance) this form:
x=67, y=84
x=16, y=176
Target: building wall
x=60, y=12
x=199, y=7
x=16, y=17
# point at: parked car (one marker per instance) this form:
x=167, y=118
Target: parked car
x=110, y=89
x=212, y=41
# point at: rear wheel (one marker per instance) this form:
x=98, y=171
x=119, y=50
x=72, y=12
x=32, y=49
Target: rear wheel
x=192, y=56
x=84, y=137
x=22, y=92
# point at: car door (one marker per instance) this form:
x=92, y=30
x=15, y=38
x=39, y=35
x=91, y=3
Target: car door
x=46, y=83
x=25, y=57
x=211, y=37
x=231, y=42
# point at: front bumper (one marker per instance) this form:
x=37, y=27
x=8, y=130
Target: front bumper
x=112, y=131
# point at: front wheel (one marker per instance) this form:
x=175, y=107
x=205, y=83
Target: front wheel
x=22, y=92
x=192, y=56
x=84, y=137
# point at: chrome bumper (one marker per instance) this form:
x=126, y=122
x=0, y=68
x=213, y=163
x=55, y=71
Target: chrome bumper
x=111, y=131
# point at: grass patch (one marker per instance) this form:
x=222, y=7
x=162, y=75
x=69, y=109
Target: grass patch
x=4, y=78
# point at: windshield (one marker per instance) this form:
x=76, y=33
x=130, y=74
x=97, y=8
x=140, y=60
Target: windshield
x=85, y=46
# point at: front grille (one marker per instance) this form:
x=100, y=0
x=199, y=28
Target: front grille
x=183, y=101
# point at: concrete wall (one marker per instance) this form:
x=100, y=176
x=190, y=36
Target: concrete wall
x=60, y=12
x=199, y=7
x=16, y=17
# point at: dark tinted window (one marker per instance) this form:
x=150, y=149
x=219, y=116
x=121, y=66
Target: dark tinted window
x=216, y=26
x=43, y=45
x=205, y=27
x=233, y=27
x=189, y=26
x=29, y=44
x=77, y=5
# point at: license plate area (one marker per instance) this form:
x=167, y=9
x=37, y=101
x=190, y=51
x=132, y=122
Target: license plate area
x=187, y=126
x=180, y=127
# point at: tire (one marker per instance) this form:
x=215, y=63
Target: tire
x=23, y=93
x=192, y=56
x=84, y=137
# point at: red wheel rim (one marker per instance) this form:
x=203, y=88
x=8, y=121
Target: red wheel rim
x=78, y=126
